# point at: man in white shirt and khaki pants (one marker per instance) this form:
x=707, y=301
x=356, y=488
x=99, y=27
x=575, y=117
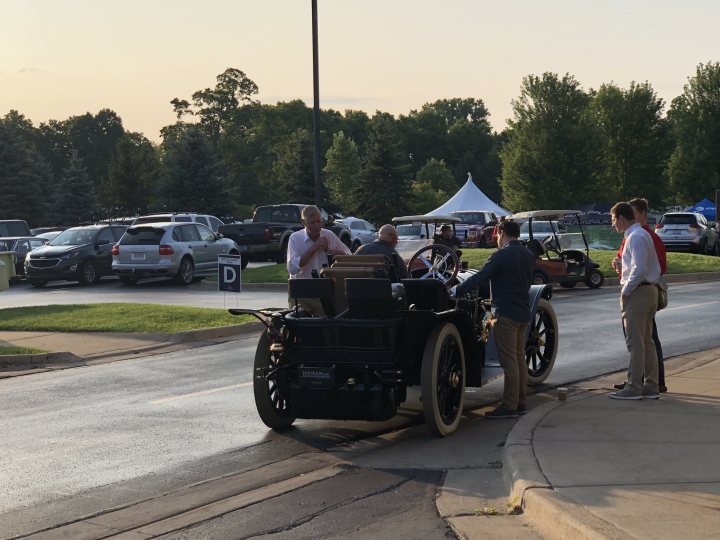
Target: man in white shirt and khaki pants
x=638, y=303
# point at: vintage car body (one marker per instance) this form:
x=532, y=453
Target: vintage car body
x=356, y=361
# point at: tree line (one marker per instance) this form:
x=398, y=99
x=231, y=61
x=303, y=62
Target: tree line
x=227, y=153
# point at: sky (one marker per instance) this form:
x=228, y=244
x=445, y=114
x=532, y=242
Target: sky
x=60, y=58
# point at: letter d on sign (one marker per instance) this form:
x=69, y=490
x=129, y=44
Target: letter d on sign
x=229, y=279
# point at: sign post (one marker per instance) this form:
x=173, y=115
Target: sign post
x=229, y=267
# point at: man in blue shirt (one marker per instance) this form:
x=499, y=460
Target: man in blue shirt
x=510, y=271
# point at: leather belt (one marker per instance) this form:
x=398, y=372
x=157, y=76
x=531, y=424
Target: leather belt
x=646, y=283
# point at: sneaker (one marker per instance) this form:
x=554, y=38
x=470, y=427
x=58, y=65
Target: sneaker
x=619, y=386
x=501, y=412
x=625, y=394
x=522, y=409
x=649, y=394
x=662, y=389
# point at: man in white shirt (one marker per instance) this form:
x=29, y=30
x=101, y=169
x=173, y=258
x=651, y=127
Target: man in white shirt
x=308, y=250
x=638, y=303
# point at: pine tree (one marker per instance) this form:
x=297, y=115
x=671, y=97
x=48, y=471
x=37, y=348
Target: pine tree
x=74, y=200
x=383, y=188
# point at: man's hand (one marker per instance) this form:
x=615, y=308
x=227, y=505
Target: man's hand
x=617, y=264
x=321, y=244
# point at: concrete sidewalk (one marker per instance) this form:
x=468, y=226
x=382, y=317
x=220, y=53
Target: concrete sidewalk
x=592, y=467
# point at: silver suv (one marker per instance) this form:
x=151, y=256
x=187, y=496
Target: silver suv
x=184, y=251
x=204, y=219
x=687, y=231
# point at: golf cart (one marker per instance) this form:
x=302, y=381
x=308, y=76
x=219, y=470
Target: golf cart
x=560, y=257
x=377, y=337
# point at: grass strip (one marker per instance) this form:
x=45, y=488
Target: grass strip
x=678, y=263
x=116, y=317
x=6, y=350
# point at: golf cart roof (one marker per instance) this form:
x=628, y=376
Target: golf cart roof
x=425, y=219
x=550, y=214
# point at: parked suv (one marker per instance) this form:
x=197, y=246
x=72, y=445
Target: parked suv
x=81, y=254
x=687, y=231
x=204, y=219
x=180, y=250
x=21, y=245
x=361, y=231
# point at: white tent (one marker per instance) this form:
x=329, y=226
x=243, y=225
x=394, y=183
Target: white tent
x=469, y=197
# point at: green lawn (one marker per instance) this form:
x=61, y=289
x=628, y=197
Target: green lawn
x=678, y=263
x=6, y=350
x=116, y=318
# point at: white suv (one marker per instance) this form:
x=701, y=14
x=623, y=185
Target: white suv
x=204, y=219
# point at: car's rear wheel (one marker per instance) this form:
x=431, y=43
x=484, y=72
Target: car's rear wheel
x=542, y=343
x=271, y=394
x=594, y=278
x=87, y=274
x=443, y=380
x=281, y=257
x=186, y=272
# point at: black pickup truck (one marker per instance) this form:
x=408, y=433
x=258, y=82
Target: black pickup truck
x=266, y=238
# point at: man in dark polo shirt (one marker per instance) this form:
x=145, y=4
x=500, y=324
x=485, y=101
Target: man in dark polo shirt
x=385, y=245
x=509, y=270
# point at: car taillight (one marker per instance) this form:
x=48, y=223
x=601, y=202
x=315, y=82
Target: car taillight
x=268, y=235
x=116, y=250
x=166, y=250
x=658, y=226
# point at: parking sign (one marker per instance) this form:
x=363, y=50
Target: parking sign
x=229, y=273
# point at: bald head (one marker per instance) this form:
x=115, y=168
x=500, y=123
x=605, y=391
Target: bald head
x=388, y=233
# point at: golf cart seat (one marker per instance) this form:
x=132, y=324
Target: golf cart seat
x=536, y=247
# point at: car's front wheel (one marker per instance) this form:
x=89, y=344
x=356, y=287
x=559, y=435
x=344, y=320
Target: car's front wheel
x=270, y=388
x=443, y=380
x=186, y=272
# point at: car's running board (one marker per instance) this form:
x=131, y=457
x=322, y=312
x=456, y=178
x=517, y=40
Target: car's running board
x=489, y=373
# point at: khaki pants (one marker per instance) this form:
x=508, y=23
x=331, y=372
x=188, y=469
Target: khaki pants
x=638, y=311
x=510, y=341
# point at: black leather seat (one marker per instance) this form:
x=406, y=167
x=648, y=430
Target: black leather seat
x=370, y=298
x=427, y=294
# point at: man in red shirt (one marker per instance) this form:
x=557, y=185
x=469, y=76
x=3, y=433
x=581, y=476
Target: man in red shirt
x=640, y=208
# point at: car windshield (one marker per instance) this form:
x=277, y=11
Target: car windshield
x=471, y=218
x=678, y=219
x=409, y=229
x=74, y=237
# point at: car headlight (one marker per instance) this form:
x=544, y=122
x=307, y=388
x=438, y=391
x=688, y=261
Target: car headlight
x=70, y=255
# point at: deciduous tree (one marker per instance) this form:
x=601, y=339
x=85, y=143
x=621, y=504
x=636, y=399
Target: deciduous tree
x=341, y=170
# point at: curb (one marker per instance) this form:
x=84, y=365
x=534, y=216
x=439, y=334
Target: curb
x=15, y=360
x=554, y=515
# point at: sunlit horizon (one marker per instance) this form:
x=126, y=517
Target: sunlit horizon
x=61, y=59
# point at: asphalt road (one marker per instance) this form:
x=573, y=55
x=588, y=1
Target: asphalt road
x=80, y=441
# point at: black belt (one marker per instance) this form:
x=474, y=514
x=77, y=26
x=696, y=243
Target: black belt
x=646, y=283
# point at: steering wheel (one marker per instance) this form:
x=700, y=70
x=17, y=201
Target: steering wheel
x=435, y=261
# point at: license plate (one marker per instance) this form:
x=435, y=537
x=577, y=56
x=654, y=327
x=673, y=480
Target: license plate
x=138, y=256
x=316, y=377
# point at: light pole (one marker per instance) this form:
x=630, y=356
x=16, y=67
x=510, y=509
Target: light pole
x=316, y=105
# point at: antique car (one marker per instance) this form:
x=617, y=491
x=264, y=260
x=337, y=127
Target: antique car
x=375, y=338
x=560, y=256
